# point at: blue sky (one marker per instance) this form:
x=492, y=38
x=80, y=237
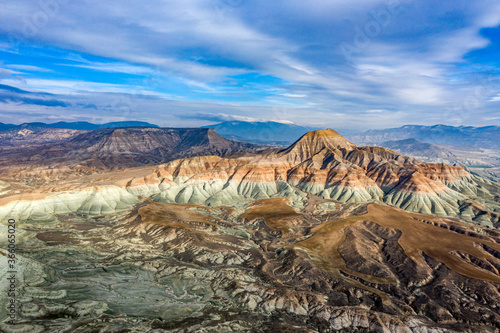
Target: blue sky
x=342, y=64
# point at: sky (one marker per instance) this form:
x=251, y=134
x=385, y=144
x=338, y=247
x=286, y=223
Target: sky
x=357, y=64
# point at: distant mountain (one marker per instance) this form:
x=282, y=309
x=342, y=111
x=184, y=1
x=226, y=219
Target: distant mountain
x=269, y=132
x=4, y=127
x=325, y=164
x=79, y=125
x=64, y=150
x=422, y=150
x=432, y=153
x=14, y=138
x=83, y=125
x=484, y=137
x=153, y=145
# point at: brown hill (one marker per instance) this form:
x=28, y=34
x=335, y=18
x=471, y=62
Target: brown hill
x=313, y=142
x=113, y=149
x=322, y=163
x=325, y=164
x=321, y=248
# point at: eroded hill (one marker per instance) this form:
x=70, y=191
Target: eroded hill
x=323, y=236
x=263, y=266
x=58, y=153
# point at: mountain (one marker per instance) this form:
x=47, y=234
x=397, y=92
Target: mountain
x=422, y=150
x=60, y=151
x=428, y=152
x=79, y=125
x=4, y=127
x=269, y=132
x=16, y=138
x=326, y=164
x=314, y=142
x=478, y=161
x=83, y=125
x=322, y=163
x=484, y=137
x=159, y=144
x=321, y=236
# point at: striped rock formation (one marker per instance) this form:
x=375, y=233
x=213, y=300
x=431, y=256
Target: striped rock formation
x=326, y=164
x=321, y=162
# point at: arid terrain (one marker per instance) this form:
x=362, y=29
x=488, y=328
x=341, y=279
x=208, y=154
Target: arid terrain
x=322, y=236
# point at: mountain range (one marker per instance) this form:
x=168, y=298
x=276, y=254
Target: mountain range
x=428, y=152
x=59, y=151
x=326, y=164
x=482, y=162
x=321, y=162
x=483, y=137
x=79, y=125
x=284, y=134
x=263, y=132
x=160, y=229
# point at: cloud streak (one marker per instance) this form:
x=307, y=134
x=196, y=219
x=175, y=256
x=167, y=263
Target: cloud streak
x=273, y=60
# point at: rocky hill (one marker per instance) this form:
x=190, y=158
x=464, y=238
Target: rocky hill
x=64, y=151
x=322, y=163
x=326, y=164
x=322, y=236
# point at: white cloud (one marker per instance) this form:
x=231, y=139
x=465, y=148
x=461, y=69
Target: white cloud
x=113, y=67
x=29, y=68
x=410, y=65
x=495, y=99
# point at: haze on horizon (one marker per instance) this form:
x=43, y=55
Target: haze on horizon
x=340, y=64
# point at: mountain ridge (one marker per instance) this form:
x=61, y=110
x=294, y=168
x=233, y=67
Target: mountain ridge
x=117, y=148
x=321, y=163
x=261, y=132
x=484, y=137
x=79, y=125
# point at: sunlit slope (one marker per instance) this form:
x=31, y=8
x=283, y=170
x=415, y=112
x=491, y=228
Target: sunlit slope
x=321, y=163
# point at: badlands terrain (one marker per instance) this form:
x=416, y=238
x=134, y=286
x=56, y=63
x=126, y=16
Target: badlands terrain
x=170, y=230
x=482, y=162
x=48, y=153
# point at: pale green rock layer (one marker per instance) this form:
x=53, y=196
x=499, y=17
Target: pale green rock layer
x=103, y=200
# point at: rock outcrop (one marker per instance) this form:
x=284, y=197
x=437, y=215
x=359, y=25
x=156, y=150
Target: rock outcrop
x=323, y=236
x=322, y=163
x=326, y=164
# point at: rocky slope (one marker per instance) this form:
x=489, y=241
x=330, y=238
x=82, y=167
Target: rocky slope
x=321, y=162
x=13, y=139
x=263, y=266
x=471, y=157
x=63, y=151
x=304, y=239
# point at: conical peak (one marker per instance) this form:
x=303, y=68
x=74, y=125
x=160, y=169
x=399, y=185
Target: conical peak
x=324, y=139
x=322, y=133
x=313, y=142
